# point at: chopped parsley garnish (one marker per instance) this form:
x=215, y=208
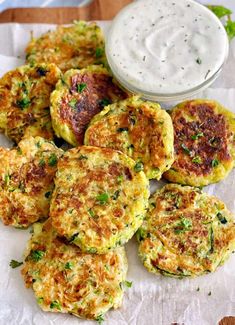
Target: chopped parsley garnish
x=221, y=218
x=220, y=11
x=23, y=103
x=116, y=195
x=197, y=160
x=230, y=29
x=7, y=179
x=215, y=163
x=183, y=225
x=105, y=102
x=82, y=157
x=47, y=194
x=91, y=213
x=40, y=300
x=92, y=250
x=41, y=162
x=37, y=255
x=197, y=136
x=73, y=103
x=99, y=52
x=120, y=179
x=138, y=167
x=128, y=284
x=102, y=198
x=68, y=266
x=52, y=161
x=186, y=149
x=100, y=319
x=122, y=130
x=199, y=61
x=81, y=87
x=14, y=264
x=55, y=304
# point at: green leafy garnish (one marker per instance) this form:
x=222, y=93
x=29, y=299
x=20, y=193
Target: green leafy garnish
x=102, y=198
x=116, y=195
x=14, y=264
x=82, y=157
x=120, y=179
x=68, y=266
x=23, y=103
x=100, y=318
x=220, y=11
x=91, y=213
x=183, y=225
x=99, y=52
x=73, y=103
x=105, y=102
x=230, y=29
x=40, y=300
x=197, y=160
x=197, y=136
x=221, y=218
x=81, y=87
x=37, y=255
x=41, y=162
x=55, y=304
x=138, y=167
x=215, y=163
x=7, y=179
x=92, y=250
x=128, y=284
x=52, y=161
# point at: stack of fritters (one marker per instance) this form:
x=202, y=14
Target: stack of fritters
x=95, y=196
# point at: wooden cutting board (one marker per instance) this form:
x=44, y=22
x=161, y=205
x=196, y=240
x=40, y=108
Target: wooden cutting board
x=96, y=10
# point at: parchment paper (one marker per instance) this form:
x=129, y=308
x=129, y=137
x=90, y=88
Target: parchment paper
x=152, y=300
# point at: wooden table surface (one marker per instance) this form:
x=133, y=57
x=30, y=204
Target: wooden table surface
x=96, y=10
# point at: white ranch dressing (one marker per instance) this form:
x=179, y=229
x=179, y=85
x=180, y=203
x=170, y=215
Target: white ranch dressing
x=166, y=46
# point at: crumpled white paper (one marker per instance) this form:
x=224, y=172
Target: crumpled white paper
x=152, y=300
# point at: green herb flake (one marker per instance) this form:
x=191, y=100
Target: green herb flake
x=197, y=136
x=100, y=319
x=7, y=178
x=220, y=11
x=37, y=255
x=23, y=103
x=14, y=264
x=91, y=213
x=42, y=162
x=183, y=225
x=92, y=250
x=138, y=167
x=116, y=195
x=55, y=304
x=68, y=266
x=73, y=103
x=47, y=195
x=40, y=300
x=99, y=52
x=102, y=198
x=197, y=160
x=186, y=149
x=230, y=29
x=122, y=130
x=221, y=218
x=81, y=87
x=82, y=157
x=120, y=179
x=105, y=102
x=52, y=161
x=128, y=284
x=199, y=61
x=215, y=163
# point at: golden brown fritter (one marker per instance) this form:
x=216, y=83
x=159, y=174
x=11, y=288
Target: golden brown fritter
x=140, y=129
x=186, y=232
x=78, y=97
x=26, y=182
x=73, y=47
x=25, y=100
x=67, y=281
x=99, y=199
x=204, y=135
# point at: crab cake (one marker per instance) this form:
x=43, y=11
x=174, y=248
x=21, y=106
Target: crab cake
x=140, y=129
x=99, y=199
x=68, y=281
x=25, y=100
x=185, y=233
x=204, y=135
x=78, y=97
x=26, y=182
x=73, y=47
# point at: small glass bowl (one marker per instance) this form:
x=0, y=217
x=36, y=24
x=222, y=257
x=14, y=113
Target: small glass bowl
x=156, y=96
